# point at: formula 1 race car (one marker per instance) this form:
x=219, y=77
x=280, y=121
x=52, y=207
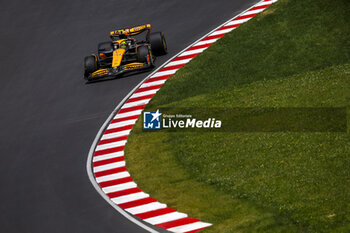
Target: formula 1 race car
x=124, y=53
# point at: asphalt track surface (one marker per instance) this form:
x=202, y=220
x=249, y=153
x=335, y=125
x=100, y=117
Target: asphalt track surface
x=50, y=116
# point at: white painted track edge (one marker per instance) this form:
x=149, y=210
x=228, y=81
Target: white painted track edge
x=115, y=111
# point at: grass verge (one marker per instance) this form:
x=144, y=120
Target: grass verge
x=295, y=54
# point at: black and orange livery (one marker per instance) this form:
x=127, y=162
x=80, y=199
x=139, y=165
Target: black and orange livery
x=124, y=53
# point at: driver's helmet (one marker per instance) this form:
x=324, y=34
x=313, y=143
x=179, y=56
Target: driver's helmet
x=123, y=45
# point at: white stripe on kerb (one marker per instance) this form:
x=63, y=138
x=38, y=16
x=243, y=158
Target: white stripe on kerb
x=109, y=166
x=121, y=124
x=165, y=218
x=119, y=187
x=140, y=94
x=163, y=73
x=128, y=114
x=136, y=103
x=206, y=42
x=175, y=63
x=253, y=12
x=240, y=21
x=149, y=84
x=112, y=177
x=193, y=52
x=267, y=3
x=129, y=198
x=146, y=208
x=115, y=135
x=108, y=156
x=111, y=145
x=219, y=32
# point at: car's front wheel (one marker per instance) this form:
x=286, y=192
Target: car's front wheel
x=158, y=43
x=144, y=55
x=90, y=65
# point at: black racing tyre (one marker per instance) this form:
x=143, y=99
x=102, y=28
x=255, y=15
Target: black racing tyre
x=105, y=47
x=142, y=52
x=158, y=43
x=90, y=65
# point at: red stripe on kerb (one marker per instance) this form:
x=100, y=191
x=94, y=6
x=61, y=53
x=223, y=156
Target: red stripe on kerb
x=138, y=107
x=124, y=192
x=115, y=182
x=110, y=171
x=259, y=7
x=155, y=213
x=213, y=37
x=158, y=79
x=111, y=140
x=229, y=26
x=245, y=16
x=148, y=88
x=140, y=98
x=124, y=119
x=199, y=47
x=179, y=222
x=185, y=57
x=176, y=67
x=140, y=202
x=109, y=151
x=118, y=129
x=108, y=161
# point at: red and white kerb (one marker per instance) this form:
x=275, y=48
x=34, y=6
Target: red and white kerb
x=108, y=160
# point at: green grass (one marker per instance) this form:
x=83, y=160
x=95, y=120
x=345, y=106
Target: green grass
x=295, y=54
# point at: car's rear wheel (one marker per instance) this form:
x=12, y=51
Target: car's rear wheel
x=143, y=54
x=90, y=65
x=158, y=43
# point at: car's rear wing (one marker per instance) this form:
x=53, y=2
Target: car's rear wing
x=122, y=33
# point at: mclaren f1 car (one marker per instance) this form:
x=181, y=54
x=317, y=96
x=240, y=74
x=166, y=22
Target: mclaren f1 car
x=124, y=53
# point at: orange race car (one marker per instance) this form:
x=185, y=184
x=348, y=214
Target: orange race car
x=124, y=53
